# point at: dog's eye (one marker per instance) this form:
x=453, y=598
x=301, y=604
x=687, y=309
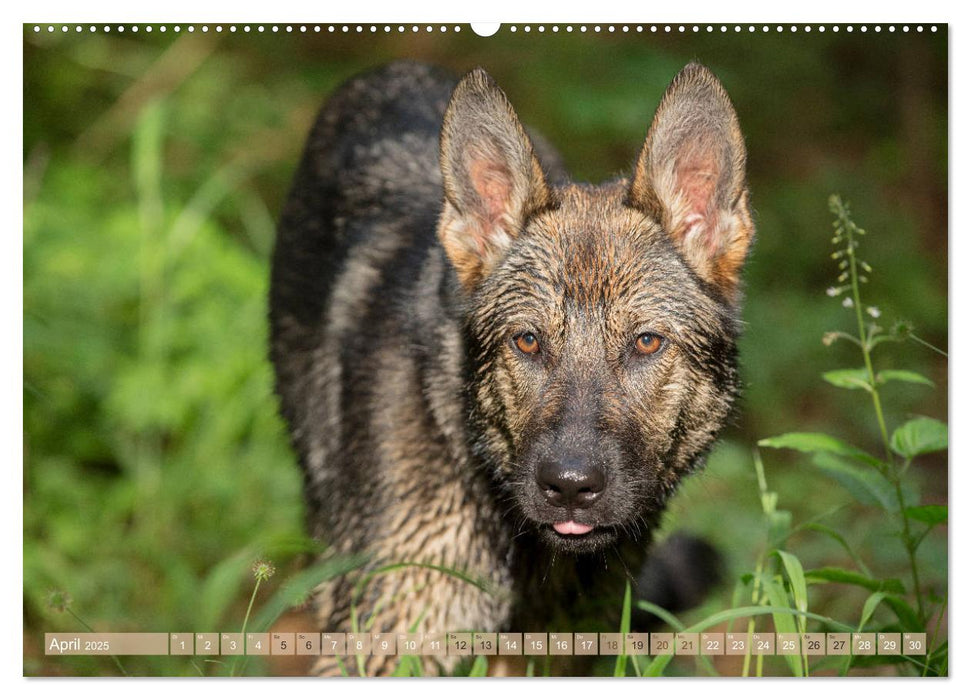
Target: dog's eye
x=648, y=343
x=526, y=343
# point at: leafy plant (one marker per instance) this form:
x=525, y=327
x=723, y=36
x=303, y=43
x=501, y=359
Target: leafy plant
x=879, y=481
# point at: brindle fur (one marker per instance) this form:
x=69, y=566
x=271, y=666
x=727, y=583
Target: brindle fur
x=422, y=234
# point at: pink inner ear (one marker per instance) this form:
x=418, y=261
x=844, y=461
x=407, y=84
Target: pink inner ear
x=697, y=179
x=492, y=183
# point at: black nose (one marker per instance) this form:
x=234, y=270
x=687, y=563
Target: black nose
x=570, y=482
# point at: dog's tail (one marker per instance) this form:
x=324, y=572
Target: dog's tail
x=678, y=575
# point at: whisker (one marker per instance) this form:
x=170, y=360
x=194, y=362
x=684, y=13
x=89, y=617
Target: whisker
x=623, y=563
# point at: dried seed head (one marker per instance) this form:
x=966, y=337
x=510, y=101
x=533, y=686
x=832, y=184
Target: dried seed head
x=901, y=329
x=58, y=600
x=263, y=570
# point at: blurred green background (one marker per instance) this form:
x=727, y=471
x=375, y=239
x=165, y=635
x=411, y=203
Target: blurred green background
x=156, y=468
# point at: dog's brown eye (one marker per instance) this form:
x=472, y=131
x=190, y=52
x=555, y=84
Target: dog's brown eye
x=648, y=344
x=527, y=343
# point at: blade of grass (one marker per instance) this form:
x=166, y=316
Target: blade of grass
x=676, y=624
x=783, y=622
x=480, y=667
x=800, y=596
x=872, y=601
x=620, y=667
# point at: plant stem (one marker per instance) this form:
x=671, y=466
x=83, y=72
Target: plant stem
x=864, y=345
x=937, y=630
x=90, y=629
x=927, y=345
x=891, y=472
x=756, y=599
x=249, y=609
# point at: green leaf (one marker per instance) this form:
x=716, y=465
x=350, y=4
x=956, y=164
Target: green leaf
x=937, y=663
x=620, y=667
x=783, y=622
x=797, y=581
x=407, y=666
x=870, y=606
x=753, y=610
x=479, y=667
x=902, y=375
x=657, y=666
x=932, y=515
x=865, y=485
x=832, y=574
x=849, y=378
x=919, y=436
x=819, y=442
x=417, y=671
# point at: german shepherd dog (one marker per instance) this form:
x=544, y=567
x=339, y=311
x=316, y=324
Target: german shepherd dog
x=492, y=375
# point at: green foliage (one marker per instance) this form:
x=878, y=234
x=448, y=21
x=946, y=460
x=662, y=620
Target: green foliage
x=831, y=574
x=157, y=468
x=918, y=437
x=818, y=443
x=620, y=669
x=932, y=515
x=479, y=667
x=873, y=481
x=865, y=485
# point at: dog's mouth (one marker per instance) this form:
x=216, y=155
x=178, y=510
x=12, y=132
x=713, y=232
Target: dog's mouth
x=572, y=528
x=578, y=538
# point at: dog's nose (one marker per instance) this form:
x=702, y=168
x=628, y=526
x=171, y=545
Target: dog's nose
x=570, y=483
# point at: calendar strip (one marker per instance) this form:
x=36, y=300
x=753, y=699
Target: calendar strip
x=486, y=644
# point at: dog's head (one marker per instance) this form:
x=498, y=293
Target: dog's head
x=601, y=321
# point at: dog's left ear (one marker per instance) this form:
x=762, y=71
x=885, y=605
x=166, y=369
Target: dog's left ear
x=493, y=181
x=690, y=177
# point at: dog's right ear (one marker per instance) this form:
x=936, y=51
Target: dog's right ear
x=492, y=178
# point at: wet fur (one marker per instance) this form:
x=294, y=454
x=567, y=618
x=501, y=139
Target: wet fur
x=424, y=228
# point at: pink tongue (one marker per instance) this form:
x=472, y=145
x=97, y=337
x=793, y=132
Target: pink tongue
x=572, y=528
